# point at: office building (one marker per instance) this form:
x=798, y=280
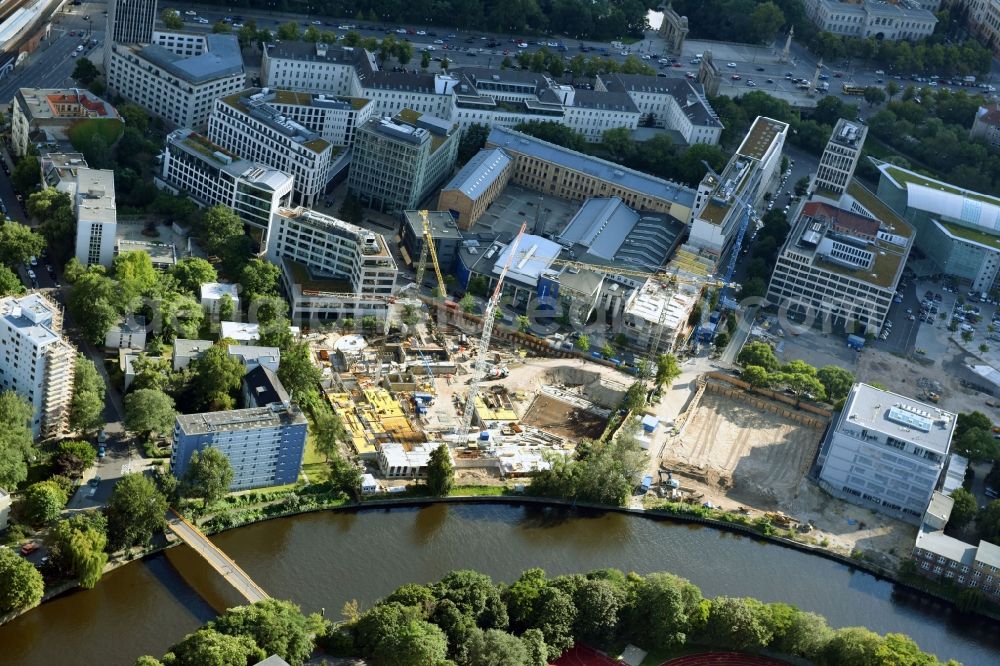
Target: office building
x=986, y=126
x=44, y=116
x=470, y=192
x=841, y=265
x=677, y=104
x=657, y=315
x=334, y=118
x=840, y=157
x=949, y=560
x=561, y=172
x=96, y=217
x=880, y=19
x=396, y=163
x=38, y=363
x=721, y=205
x=957, y=229
x=246, y=124
x=131, y=21
x=213, y=176
x=179, y=76
x=886, y=452
x=396, y=461
x=444, y=232
x=264, y=445
x=330, y=268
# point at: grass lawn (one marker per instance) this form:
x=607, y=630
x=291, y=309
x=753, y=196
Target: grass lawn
x=486, y=491
x=82, y=133
x=313, y=463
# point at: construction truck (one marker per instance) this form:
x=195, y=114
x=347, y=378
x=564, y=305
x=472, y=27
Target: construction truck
x=495, y=372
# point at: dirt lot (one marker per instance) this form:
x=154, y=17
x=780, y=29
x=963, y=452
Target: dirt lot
x=757, y=456
x=563, y=419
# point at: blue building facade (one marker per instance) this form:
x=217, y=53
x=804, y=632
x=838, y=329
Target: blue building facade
x=264, y=445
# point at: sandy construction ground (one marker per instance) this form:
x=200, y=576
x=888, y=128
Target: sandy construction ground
x=757, y=456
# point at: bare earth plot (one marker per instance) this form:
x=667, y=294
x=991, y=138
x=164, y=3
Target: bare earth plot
x=753, y=455
x=563, y=419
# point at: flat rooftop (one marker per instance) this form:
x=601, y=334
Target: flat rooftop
x=95, y=195
x=222, y=58
x=441, y=223
x=239, y=419
x=479, y=173
x=370, y=244
x=63, y=103
x=761, y=136
x=520, y=143
x=255, y=104
x=904, y=418
x=31, y=317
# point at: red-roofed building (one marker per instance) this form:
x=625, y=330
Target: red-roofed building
x=43, y=116
x=986, y=125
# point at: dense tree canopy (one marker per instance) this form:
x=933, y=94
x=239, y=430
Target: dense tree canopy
x=148, y=411
x=208, y=476
x=89, y=390
x=77, y=547
x=21, y=586
x=135, y=512
x=17, y=446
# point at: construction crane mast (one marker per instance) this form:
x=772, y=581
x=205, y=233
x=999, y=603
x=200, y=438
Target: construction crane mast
x=734, y=254
x=489, y=318
x=428, y=248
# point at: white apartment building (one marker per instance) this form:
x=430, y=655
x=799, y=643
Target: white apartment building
x=886, y=452
x=59, y=170
x=396, y=163
x=211, y=175
x=905, y=19
x=96, y=217
x=320, y=68
x=671, y=103
x=333, y=117
x=840, y=157
x=842, y=265
x=179, y=76
x=213, y=293
x=330, y=268
x=720, y=206
x=37, y=362
x=246, y=124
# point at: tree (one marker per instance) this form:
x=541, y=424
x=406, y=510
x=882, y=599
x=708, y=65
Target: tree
x=964, y=509
x=851, y=646
x=288, y=32
x=836, y=381
x=78, y=547
x=666, y=608
x=977, y=445
x=136, y=277
x=522, y=598
x=395, y=635
x=891, y=89
x=135, y=512
x=259, y=278
x=969, y=420
x=874, y=95
x=765, y=21
x=18, y=243
x=192, y=272
x=328, y=432
x=57, y=219
x=227, y=308
x=217, y=376
x=739, y=623
x=72, y=458
x=277, y=627
x=171, y=19
x=89, y=391
x=92, y=303
x=297, y=372
x=440, y=471
x=759, y=354
x=21, y=586
x=598, y=604
x=467, y=303
x=207, y=647
x=345, y=475
x=494, y=648
x=801, y=186
x=43, y=502
x=148, y=411
x=27, y=174
x=208, y=476
x=635, y=397
x=221, y=27
x=17, y=446
x=10, y=283
x=667, y=369
x=721, y=340
x=425, y=62
x=803, y=634
x=220, y=227
x=583, y=343
x=555, y=617
x=472, y=141
x=619, y=143
x=84, y=71
x=523, y=323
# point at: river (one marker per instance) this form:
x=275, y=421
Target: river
x=322, y=560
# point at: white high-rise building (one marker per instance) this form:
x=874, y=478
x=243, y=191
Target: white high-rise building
x=331, y=268
x=131, y=21
x=248, y=125
x=96, y=216
x=37, y=363
x=840, y=157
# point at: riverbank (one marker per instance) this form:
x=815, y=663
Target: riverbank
x=730, y=523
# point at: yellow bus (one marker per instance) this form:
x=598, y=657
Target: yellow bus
x=853, y=90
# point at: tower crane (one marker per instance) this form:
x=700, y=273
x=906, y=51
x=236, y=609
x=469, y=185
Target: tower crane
x=751, y=214
x=428, y=248
x=489, y=318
